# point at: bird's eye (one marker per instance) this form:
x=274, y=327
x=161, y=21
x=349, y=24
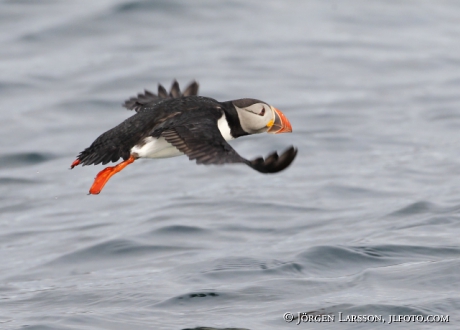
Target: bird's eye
x=262, y=112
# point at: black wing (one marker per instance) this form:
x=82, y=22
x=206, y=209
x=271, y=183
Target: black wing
x=149, y=99
x=200, y=139
x=274, y=163
x=118, y=141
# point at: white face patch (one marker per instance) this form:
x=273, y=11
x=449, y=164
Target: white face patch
x=224, y=129
x=255, y=118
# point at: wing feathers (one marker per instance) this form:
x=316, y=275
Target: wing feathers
x=175, y=90
x=149, y=99
x=274, y=163
x=192, y=89
x=162, y=93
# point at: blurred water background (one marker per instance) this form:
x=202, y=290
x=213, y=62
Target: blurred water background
x=365, y=221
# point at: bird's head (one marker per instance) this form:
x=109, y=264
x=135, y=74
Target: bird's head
x=257, y=117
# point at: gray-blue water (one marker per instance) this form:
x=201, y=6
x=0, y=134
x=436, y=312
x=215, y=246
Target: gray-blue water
x=366, y=221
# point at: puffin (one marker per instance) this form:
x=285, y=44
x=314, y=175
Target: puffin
x=175, y=123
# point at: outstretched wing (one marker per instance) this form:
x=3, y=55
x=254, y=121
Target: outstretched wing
x=200, y=139
x=117, y=142
x=149, y=99
x=274, y=163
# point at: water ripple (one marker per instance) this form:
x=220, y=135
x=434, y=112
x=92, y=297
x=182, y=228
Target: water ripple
x=24, y=159
x=113, y=249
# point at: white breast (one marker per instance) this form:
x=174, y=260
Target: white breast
x=224, y=129
x=156, y=148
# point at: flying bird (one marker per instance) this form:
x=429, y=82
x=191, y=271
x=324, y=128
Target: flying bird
x=172, y=124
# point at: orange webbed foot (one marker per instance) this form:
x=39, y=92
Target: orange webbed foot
x=103, y=176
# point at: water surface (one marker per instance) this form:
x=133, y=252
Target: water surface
x=365, y=221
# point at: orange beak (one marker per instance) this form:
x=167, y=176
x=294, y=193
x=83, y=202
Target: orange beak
x=281, y=123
